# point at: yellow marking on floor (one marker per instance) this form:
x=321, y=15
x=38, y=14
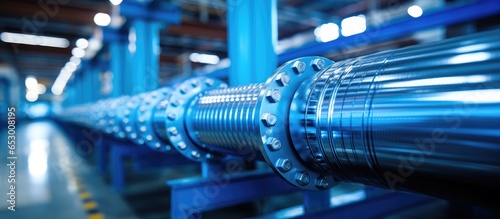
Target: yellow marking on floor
x=84, y=195
x=96, y=216
x=89, y=205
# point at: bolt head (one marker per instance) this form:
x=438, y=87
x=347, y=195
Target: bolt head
x=195, y=154
x=171, y=116
x=175, y=103
x=283, y=79
x=274, y=96
x=269, y=119
x=140, y=141
x=142, y=128
x=318, y=64
x=184, y=90
x=133, y=136
x=157, y=145
x=149, y=138
x=284, y=165
x=141, y=119
x=182, y=145
x=298, y=67
x=195, y=83
x=209, y=82
x=322, y=183
x=128, y=128
x=274, y=144
x=302, y=178
x=173, y=131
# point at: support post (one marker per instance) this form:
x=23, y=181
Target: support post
x=252, y=36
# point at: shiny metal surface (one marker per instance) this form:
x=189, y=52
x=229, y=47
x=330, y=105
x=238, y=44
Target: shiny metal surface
x=222, y=119
x=420, y=119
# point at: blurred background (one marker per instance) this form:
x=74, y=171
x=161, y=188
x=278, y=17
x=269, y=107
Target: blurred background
x=60, y=53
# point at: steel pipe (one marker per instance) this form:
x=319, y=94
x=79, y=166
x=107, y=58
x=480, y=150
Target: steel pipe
x=421, y=119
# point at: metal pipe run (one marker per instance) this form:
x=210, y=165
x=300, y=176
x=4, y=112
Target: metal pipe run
x=421, y=119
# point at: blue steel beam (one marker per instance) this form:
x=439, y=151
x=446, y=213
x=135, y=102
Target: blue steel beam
x=145, y=58
x=165, y=13
x=252, y=35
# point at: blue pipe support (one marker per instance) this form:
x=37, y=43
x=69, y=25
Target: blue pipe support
x=387, y=120
x=252, y=36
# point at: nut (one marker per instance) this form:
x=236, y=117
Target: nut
x=173, y=131
x=195, y=154
x=318, y=64
x=182, y=145
x=322, y=183
x=298, y=67
x=284, y=165
x=274, y=96
x=302, y=178
x=283, y=79
x=273, y=144
x=269, y=119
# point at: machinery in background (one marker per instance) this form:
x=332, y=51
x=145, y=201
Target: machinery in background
x=422, y=119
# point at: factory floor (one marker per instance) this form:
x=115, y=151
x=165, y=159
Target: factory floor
x=52, y=181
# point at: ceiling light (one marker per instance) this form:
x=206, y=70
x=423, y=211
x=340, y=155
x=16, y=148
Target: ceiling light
x=415, y=11
x=75, y=60
x=353, y=25
x=327, y=32
x=41, y=89
x=102, y=19
x=31, y=95
x=78, y=52
x=82, y=43
x=116, y=2
x=204, y=58
x=31, y=82
x=34, y=40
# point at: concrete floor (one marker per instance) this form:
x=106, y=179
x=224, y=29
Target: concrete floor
x=52, y=181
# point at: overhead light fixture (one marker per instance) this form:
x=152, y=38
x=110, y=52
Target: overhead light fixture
x=34, y=40
x=78, y=52
x=82, y=43
x=31, y=95
x=57, y=90
x=75, y=60
x=204, y=58
x=353, y=25
x=415, y=11
x=116, y=2
x=41, y=89
x=31, y=82
x=102, y=19
x=70, y=66
x=327, y=32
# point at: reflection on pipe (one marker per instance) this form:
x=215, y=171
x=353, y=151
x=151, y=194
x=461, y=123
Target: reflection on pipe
x=421, y=119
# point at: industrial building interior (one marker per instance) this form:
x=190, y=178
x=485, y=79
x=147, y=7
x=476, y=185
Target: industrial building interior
x=249, y=109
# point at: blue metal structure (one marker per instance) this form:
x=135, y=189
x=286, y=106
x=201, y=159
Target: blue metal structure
x=316, y=122
x=252, y=36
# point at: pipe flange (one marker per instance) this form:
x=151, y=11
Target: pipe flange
x=178, y=107
x=277, y=147
x=144, y=123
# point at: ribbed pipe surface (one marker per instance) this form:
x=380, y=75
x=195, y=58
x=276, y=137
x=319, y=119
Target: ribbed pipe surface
x=224, y=120
x=422, y=119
